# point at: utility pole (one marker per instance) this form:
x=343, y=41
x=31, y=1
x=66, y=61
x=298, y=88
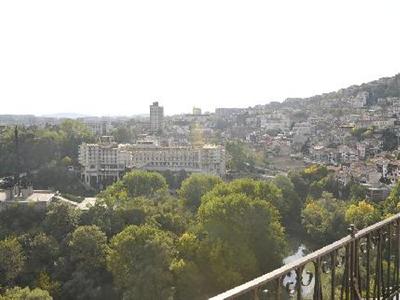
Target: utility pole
x=17, y=160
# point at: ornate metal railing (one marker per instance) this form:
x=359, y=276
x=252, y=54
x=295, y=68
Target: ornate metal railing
x=363, y=265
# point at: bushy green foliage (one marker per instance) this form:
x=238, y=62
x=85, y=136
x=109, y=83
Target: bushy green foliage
x=124, y=134
x=241, y=158
x=26, y=293
x=12, y=260
x=55, y=176
x=314, y=173
x=139, y=260
x=362, y=214
x=18, y=219
x=300, y=184
x=237, y=238
x=390, y=140
x=174, y=179
x=142, y=183
x=324, y=219
x=45, y=155
x=194, y=187
x=256, y=189
x=88, y=246
x=43, y=251
x=140, y=242
x=391, y=203
x=135, y=184
x=358, y=132
x=244, y=235
x=60, y=220
x=291, y=217
x=38, y=147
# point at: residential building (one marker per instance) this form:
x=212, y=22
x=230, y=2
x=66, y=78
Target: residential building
x=196, y=111
x=156, y=118
x=102, y=162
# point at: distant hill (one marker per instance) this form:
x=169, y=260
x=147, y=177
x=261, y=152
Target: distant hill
x=64, y=116
x=77, y=116
x=381, y=88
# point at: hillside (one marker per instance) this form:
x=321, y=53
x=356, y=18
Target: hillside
x=381, y=88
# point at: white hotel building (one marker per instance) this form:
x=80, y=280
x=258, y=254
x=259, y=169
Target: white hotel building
x=106, y=161
x=101, y=162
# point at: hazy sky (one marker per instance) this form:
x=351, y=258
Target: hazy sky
x=116, y=57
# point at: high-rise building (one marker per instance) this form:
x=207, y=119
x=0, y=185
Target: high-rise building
x=196, y=111
x=156, y=117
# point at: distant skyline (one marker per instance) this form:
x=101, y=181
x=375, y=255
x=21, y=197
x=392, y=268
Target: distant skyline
x=117, y=57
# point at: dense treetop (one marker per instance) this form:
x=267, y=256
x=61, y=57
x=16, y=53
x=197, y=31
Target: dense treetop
x=140, y=241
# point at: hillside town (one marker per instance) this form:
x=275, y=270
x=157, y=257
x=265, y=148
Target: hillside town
x=202, y=150
x=354, y=132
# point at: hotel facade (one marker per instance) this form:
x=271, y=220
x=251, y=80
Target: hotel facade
x=106, y=161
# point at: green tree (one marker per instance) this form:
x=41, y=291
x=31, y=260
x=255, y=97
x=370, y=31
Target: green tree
x=194, y=187
x=301, y=186
x=139, y=260
x=17, y=293
x=361, y=214
x=391, y=203
x=44, y=282
x=314, y=173
x=390, y=140
x=143, y=183
x=12, y=260
x=123, y=134
x=73, y=134
x=241, y=158
x=55, y=176
x=255, y=189
x=18, y=219
x=316, y=221
x=83, y=287
x=90, y=278
x=60, y=220
x=190, y=279
x=358, y=132
x=316, y=189
x=43, y=252
x=168, y=215
x=357, y=191
x=291, y=217
x=66, y=161
x=174, y=179
x=88, y=246
x=323, y=219
x=114, y=196
x=244, y=238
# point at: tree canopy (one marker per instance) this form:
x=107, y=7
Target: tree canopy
x=139, y=260
x=194, y=187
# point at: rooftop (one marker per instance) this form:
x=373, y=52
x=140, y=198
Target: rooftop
x=37, y=196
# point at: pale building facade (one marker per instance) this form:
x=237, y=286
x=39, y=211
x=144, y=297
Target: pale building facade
x=106, y=161
x=205, y=159
x=102, y=162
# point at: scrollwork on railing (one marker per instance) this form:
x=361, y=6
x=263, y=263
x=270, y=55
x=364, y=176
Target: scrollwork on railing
x=363, y=265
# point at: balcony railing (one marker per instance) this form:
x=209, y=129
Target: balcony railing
x=363, y=265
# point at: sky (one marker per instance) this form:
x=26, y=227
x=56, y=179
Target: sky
x=117, y=57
